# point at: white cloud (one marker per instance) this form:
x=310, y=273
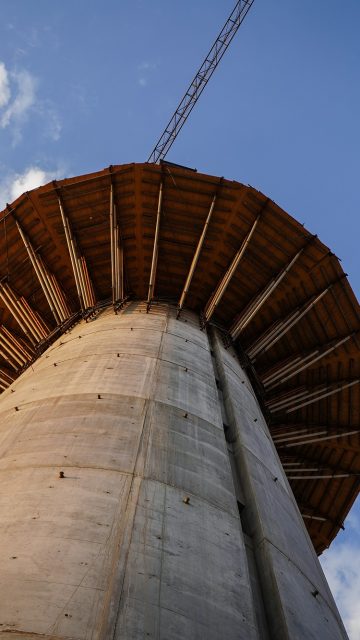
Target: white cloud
x=4, y=86
x=144, y=69
x=341, y=567
x=14, y=184
x=19, y=100
x=50, y=119
x=54, y=125
x=17, y=109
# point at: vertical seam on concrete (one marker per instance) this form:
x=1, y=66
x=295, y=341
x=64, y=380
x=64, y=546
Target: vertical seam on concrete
x=221, y=367
x=222, y=401
x=148, y=403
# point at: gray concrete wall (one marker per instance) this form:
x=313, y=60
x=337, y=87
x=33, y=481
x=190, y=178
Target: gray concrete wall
x=142, y=537
x=296, y=596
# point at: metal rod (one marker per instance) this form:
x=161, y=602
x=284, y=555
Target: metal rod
x=292, y=469
x=87, y=283
x=121, y=294
x=155, y=249
x=257, y=345
x=14, y=310
x=117, y=264
x=79, y=264
x=268, y=290
x=84, y=289
x=253, y=308
x=324, y=477
x=7, y=375
x=119, y=261
x=62, y=300
x=52, y=290
x=112, y=245
x=11, y=349
x=9, y=359
x=287, y=324
x=118, y=258
x=295, y=435
x=32, y=318
x=290, y=434
x=57, y=292
x=279, y=372
x=5, y=383
x=307, y=364
x=82, y=282
x=196, y=255
x=269, y=340
x=324, y=395
x=292, y=464
x=300, y=443
x=48, y=282
x=219, y=292
x=72, y=254
x=285, y=400
x=10, y=345
x=38, y=271
x=34, y=322
x=39, y=324
x=26, y=351
x=91, y=286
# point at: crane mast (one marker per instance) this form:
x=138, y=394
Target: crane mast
x=200, y=80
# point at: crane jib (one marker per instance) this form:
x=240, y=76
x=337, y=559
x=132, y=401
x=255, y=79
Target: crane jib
x=200, y=80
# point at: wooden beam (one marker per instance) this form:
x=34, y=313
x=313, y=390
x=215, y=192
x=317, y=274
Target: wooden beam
x=196, y=257
x=299, y=399
x=281, y=327
x=224, y=283
x=83, y=283
x=328, y=438
x=116, y=251
x=30, y=323
x=258, y=301
x=43, y=276
x=155, y=250
x=300, y=362
x=72, y=253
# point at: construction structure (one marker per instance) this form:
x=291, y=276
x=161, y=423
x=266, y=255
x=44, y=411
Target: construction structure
x=179, y=416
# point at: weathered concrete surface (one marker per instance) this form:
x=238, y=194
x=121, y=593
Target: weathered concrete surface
x=127, y=407
x=142, y=537
x=296, y=596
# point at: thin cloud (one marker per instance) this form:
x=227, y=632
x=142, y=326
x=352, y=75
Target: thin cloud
x=50, y=119
x=340, y=565
x=145, y=69
x=4, y=86
x=19, y=101
x=17, y=109
x=14, y=184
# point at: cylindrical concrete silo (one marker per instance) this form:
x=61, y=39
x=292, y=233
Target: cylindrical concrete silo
x=142, y=495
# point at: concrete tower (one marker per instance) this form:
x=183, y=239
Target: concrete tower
x=179, y=418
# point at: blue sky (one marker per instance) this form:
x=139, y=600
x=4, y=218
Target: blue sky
x=86, y=84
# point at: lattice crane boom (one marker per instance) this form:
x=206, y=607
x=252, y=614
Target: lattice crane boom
x=200, y=80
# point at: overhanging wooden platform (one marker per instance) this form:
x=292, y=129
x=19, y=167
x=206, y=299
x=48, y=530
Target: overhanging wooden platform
x=232, y=255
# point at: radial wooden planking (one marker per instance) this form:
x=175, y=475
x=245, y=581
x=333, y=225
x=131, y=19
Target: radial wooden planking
x=288, y=299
